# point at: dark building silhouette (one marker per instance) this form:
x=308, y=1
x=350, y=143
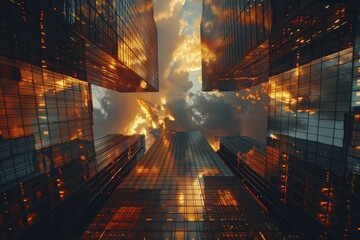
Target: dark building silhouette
x=310, y=59
x=187, y=193
x=113, y=45
x=62, y=189
x=292, y=175
x=247, y=158
x=50, y=54
x=310, y=176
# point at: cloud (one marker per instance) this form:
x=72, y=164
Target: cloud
x=114, y=111
x=184, y=26
x=179, y=105
x=167, y=9
x=188, y=53
x=219, y=115
x=179, y=80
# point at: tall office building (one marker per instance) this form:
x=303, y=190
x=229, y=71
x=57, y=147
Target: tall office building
x=112, y=44
x=247, y=158
x=244, y=151
x=50, y=53
x=312, y=80
x=53, y=197
x=312, y=148
x=235, y=39
x=113, y=147
x=182, y=190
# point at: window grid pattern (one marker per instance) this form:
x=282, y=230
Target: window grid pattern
x=353, y=158
x=46, y=141
x=311, y=77
x=235, y=48
x=126, y=31
x=41, y=197
x=112, y=44
x=244, y=150
x=181, y=190
x=50, y=107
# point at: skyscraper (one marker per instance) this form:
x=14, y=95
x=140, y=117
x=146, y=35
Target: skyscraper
x=182, y=190
x=50, y=53
x=235, y=39
x=312, y=156
x=244, y=151
x=310, y=114
x=109, y=44
x=53, y=198
x=247, y=158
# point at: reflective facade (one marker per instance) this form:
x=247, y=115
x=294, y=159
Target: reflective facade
x=313, y=71
x=112, y=44
x=312, y=119
x=247, y=159
x=245, y=151
x=121, y=50
x=235, y=43
x=187, y=193
x=50, y=53
x=51, y=199
x=114, y=147
x=38, y=180
x=41, y=109
x=352, y=215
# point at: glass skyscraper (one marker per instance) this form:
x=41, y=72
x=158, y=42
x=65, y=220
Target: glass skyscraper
x=56, y=201
x=247, y=158
x=50, y=53
x=235, y=39
x=311, y=111
x=313, y=73
x=244, y=151
x=182, y=190
x=112, y=44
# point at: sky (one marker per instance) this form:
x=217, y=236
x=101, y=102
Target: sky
x=180, y=103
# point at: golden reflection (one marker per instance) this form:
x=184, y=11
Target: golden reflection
x=181, y=199
x=74, y=136
x=273, y=136
x=63, y=194
x=150, y=116
x=125, y=53
x=46, y=88
x=215, y=145
x=166, y=142
x=285, y=99
x=31, y=218
x=141, y=170
x=227, y=198
x=255, y=96
x=284, y=179
x=143, y=84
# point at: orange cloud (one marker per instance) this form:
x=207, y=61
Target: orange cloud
x=167, y=9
